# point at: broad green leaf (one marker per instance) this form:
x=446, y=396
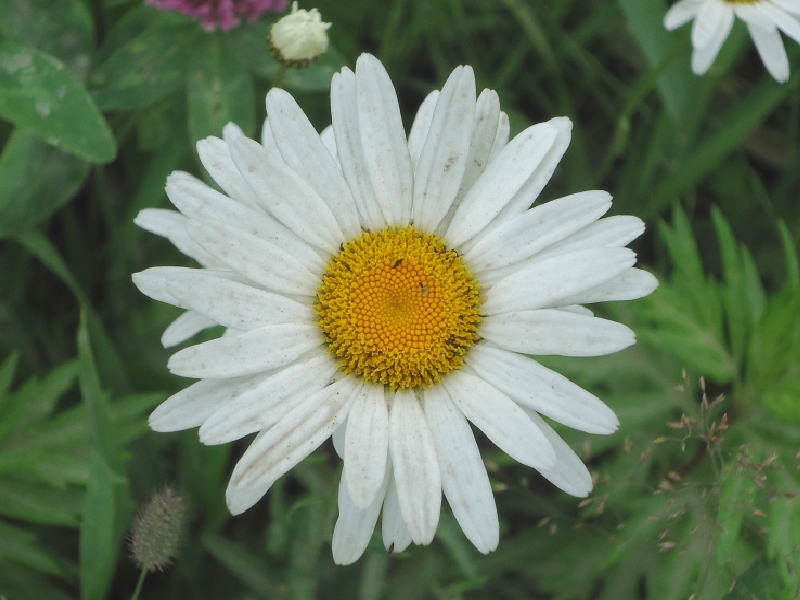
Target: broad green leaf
x=62, y=28
x=774, y=354
x=220, y=90
x=98, y=539
x=35, y=180
x=38, y=503
x=22, y=547
x=40, y=95
x=784, y=400
x=146, y=68
x=784, y=536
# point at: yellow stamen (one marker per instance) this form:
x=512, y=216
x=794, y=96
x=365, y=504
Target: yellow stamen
x=398, y=308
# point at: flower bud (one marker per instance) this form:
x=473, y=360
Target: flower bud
x=299, y=38
x=158, y=530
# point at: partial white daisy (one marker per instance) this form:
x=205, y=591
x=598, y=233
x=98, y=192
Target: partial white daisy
x=386, y=290
x=713, y=20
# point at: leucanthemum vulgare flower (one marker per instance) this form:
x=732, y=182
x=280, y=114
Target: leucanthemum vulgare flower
x=222, y=14
x=713, y=20
x=385, y=290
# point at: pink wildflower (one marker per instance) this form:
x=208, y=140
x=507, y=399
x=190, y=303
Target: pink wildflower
x=224, y=14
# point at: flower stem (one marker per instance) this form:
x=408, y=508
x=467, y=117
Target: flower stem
x=139, y=585
x=277, y=82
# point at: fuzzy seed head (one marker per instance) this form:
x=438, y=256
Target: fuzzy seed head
x=158, y=530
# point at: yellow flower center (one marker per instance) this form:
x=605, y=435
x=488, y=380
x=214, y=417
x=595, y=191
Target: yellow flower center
x=398, y=308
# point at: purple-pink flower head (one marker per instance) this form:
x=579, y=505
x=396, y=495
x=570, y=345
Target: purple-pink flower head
x=223, y=14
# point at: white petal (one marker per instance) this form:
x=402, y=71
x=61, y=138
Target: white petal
x=192, y=406
x=632, y=284
x=500, y=182
x=303, y=150
x=484, y=132
x=533, y=386
x=267, y=403
x=216, y=158
x=753, y=15
x=444, y=156
x=770, y=47
x=568, y=473
x=384, y=141
x=235, y=304
x=556, y=332
x=704, y=56
x=536, y=229
x=255, y=258
x=171, y=224
x=347, y=131
x=396, y=537
x=354, y=526
x=421, y=126
x=464, y=479
x=546, y=283
x=152, y=283
x=195, y=199
x=338, y=438
x=503, y=422
x=529, y=192
x=681, y=13
x=251, y=352
x=267, y=140
x=296, y=436
x=501, y=138
x=710, y=16
x=577, y=309
x=782, y=20
x=285, y=195
x=416, y=468
x=367, y=445
x=329, y=139
x=606, y=233
x=791, y=6
x=184, y=327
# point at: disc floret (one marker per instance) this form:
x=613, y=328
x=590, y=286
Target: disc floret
x=398, y=308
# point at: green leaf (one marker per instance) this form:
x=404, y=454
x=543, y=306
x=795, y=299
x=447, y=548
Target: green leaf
x=98, y=539
x=38, y=503
x=677, y=83
x=102, y=430
x=147, y=68
x=40, y=95
x=790, y=257
x=731, y=514
x=35, y=180
x=22, y=547
x=220, y=90
x=63, y=28
x=7, y=371
x=733, y=129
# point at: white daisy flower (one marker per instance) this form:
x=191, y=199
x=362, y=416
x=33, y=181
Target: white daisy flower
x=713, y=20
x=385, y=290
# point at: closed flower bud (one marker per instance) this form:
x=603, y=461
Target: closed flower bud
x=158, y=530
x=299, y=38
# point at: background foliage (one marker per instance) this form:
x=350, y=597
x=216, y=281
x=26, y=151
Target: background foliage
x=695, y=495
